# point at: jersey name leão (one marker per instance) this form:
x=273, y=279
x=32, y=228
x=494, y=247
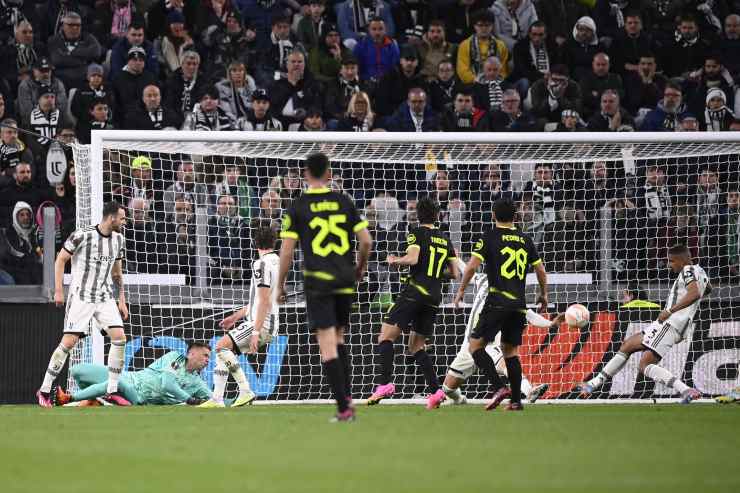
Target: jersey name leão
x=435, y=250
x=264, y=275
x=93, y=256
x=681, y=319
x=324, y=222
x=507, y=254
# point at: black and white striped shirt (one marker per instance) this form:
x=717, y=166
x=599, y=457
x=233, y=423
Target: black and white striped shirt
x=93, y=256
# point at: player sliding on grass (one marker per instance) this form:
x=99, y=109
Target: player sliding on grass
x=430, y=254
x=96, y=253
x=463, y=367
x=670, y=328
x=507, y=254
x=171, y=379
x=324, y=221
x=261, y=323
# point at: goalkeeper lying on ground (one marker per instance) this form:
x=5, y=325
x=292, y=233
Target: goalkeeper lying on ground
x=171, y=379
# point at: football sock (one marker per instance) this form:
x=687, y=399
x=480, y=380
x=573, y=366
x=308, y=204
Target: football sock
x=346, y=360
x=526, y=386
x=335, y=375
x=56, y=362
x=453, y=394
x=610, y=369
x=220, y=377
x=115, y=364
x=425, y=363
x=661, y=375
x=385, y=349
x=232, y=366
x=514, y=371
x=485, y=363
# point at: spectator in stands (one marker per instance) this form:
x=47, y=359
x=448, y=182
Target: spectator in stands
x=729, y=46
x=545, y=192
x=21, y=189
x=64, y=198
x=710, y=213
x=355, y=17
x=612, y=117
x=687, y=52
x=98, y=119
x=643, y=88
x=325, y=59
x=311, y=26
x=142, y=184
x=629, y=44
x=159, y=13
x=129, y=84
x=272, y=59
x=414, y=115
x=555, y=93
x=228, y=42
x=28, y=90
x=560, y=16
x=213, y=14
x=270, y=206
x=259, y=117
x=717, y=116
x=453, y=212
x=387, y=231
x=340, y=90
x=396, y=83
x=442, y=88
x=111, y=20
x=176, y=239
x=434, y=49
x=234, y=184
x=732, y=231
x=668, y=112
x=688, y=123
x=208, y=115
x=293, y=95
x=475, y=50
x=654, y=199
x=5, y=112
x=376, y=53
x=462, y=116
x=611, y=16
x=312, y=122
x=12, y=151
x=150, y=114
x=21, y=254
x=489, y=87
x=71, y=50
x=511, y=117
x=288, y=186
x=581, y=47
x=564, y=241
x=712, y=78
x=46, y=120
x=186, y=188
x=628, y=242
x=228, y=243
x=533, y=56
x=94, y=89
x=141, y=238
x=599, y=191
x=235, y=92
x=492, y=187
x=359, y=116
x=596, y=82
x=173, y=44
x=134, y=37
x=19, y=55
x=513, y=18
x=183, y=87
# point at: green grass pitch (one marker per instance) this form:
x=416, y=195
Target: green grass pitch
x=576, y=448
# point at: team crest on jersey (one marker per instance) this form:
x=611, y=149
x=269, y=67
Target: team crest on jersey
x=258, y=274
x=287, y=222
x=411, y=239
x=478, y=245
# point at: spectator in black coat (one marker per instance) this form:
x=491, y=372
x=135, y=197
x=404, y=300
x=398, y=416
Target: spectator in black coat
x=84, y=95
x=555, y=93
x=176, y=239
x=296, y=92
x=339, y=91
x=141, y=238
x=712, y=77
x=414, y=115
x=596, y=82
x=511, y=117
x=581, y=47
x=359, y=116
x=629, y=44
x=22, y=189
x=135, y=36
x=442, y=89
x=489, y=87
x=228, y=243
x=150, y=114
x=612, y=117
x=560, y=16
x=21, y=256
x=183, y=87
x=208, y=116
x=687, y=52
x=98, y=119
x=272, y=57
x=72, y=50
x=644, y=88
x=611, y=15
x=19, y=55
x=396, y=83
x=570, y=121
x=729, y=46
x=129, y=85
x=533, y=56
x=12, y=151
x=460, y=118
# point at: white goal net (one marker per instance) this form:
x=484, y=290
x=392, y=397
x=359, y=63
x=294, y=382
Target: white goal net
x=602, y=208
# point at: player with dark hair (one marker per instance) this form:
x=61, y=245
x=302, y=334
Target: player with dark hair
x=258, y=329
x=691, y=285
x=172, y=379
x=96, y=253
x=507, y=254
x=429, y=254
x=324, y=221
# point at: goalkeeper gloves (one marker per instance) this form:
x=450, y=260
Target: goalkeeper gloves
x=194, y=401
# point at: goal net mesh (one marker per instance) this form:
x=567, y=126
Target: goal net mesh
x=603, y=215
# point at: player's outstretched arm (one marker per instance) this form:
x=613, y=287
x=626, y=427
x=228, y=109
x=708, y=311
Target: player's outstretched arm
x=364, y=244
x=453, y=269
x=541, y=274
x=470, y=269
x=692, y=295
x=172, y=389
x=117, y=277
x=411, y=257
x=228, y=322
x=62, y=258
x=286, y=260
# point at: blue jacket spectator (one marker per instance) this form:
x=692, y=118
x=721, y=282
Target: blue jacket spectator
x=414, y=115
x=119, y=52
x=353, y=22
x=668, y=114
x=376, y=53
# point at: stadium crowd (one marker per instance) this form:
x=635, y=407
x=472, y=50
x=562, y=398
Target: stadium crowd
x=70, y=66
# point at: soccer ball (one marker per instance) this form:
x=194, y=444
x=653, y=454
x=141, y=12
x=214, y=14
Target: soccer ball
x=577, y=316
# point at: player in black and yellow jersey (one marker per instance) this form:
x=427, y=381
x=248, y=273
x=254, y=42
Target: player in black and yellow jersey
x=507, y=254
x=325, y=222
x=431, y=256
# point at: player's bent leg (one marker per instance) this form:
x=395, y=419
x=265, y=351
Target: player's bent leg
x=629, y=346
x=228, y=364
x=451, y=388
x=56, y=363
x=416, y=345
x=649, y=367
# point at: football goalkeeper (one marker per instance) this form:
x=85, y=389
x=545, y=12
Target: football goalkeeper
x=171, y=379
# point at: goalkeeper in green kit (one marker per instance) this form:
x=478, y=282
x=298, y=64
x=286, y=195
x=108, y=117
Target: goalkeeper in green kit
x=171, y=379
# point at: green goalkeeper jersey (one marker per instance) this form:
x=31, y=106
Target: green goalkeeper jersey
x=167, y=381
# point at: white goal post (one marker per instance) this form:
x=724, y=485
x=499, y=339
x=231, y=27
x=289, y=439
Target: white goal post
x=198, y=196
